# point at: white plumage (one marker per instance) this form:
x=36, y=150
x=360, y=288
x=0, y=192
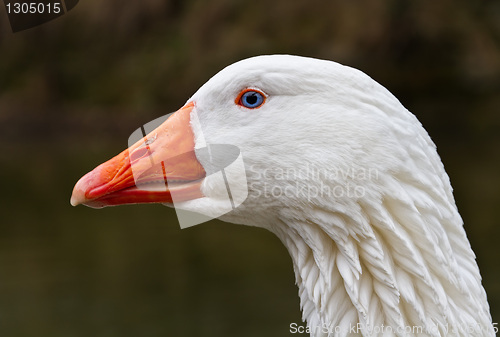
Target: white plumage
x=396, y=254
x=352, y=184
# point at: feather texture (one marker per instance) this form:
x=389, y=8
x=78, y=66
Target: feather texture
x=351, y=183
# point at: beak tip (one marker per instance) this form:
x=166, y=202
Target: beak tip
x=74, y=201
x=78, y=196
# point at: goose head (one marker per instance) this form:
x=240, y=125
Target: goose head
x=339, y=170
x=312, y=117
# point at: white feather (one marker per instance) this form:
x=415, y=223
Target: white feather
x=395, y=255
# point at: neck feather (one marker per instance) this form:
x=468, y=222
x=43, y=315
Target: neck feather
x=400, y=259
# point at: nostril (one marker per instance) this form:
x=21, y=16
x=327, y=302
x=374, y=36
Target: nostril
x=151, y=139
x=138, y=154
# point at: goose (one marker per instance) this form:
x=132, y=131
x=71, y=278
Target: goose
x=340, y=171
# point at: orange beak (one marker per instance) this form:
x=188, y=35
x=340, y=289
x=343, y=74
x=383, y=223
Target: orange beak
x=150, y=171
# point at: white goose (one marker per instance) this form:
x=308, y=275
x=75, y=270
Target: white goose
x=343, y=174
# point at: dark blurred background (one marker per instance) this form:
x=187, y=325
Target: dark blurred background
x=72, y=91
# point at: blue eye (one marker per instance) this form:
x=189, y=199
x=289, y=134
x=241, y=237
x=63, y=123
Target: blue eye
x=251, y=98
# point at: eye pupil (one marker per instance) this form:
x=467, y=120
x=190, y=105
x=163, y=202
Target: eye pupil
x=252, y=99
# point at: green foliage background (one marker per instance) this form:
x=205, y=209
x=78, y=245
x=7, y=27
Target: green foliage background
x=72, y=90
